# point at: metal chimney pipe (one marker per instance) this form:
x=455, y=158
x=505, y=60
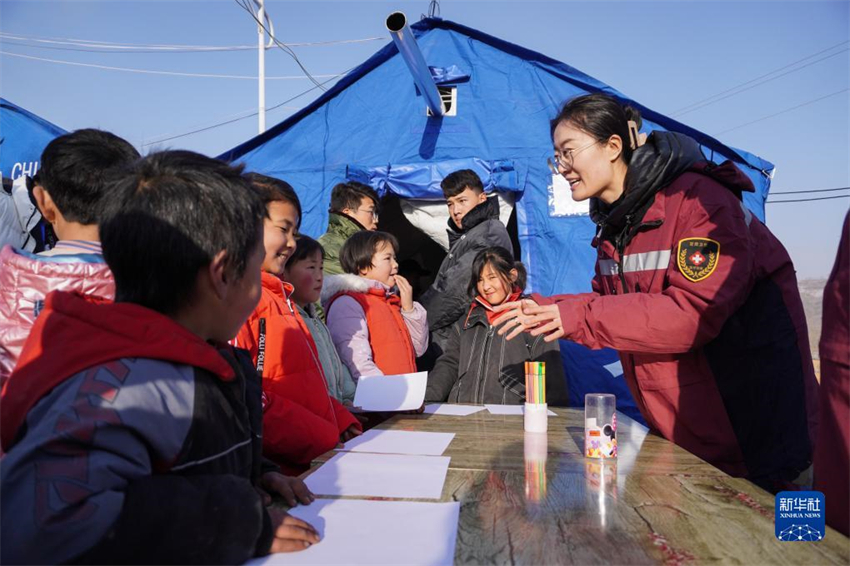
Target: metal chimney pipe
x=409, y=50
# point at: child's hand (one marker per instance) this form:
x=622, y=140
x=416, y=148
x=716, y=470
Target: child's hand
x=405, y=293
x=359, y=414
x=349, y=433
x=291, y=534
x=418, y=411
x=293, y=490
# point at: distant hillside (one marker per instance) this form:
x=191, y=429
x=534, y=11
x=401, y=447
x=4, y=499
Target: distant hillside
x=811, y=291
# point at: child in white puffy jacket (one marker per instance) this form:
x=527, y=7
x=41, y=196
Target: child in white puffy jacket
x=376, y=326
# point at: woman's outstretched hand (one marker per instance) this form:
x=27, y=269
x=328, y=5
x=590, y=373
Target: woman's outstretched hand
x=513, y=321
x=545, y=320
x=527, y=316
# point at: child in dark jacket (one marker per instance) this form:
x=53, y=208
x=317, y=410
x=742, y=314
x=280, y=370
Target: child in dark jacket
x=132, y=429
x=478, y=365
x=473, y=226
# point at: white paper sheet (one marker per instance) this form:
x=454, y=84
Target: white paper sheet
x=512, y=410
x=450, y=409
x=403, y=392
x=380, y=475
x=375, y=532
x=401, y=442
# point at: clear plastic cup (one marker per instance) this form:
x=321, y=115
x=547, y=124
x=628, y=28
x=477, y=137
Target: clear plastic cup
x=600, y=425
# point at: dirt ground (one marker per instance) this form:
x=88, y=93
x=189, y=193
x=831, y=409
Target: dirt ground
x=811, y=291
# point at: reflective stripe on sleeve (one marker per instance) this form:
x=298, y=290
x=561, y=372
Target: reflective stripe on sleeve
x=646, y=261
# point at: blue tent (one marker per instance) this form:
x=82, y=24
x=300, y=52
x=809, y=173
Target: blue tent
x=372, y=126
x=23, y=136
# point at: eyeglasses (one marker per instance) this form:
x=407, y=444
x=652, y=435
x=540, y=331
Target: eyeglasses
x=563, y=160
x=371, y=211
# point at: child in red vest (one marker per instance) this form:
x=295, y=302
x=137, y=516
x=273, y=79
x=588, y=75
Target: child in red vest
x=300, y=420
x=375, y=324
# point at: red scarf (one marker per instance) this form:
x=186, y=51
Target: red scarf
x=491, y=314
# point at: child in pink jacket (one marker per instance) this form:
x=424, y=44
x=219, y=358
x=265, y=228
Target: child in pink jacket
x=376, y=326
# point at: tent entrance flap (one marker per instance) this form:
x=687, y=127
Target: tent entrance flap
x=422, y=180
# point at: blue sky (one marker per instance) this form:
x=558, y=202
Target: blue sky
x=666, y=55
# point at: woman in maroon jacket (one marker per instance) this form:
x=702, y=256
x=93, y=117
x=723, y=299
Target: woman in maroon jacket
x=832, y=457
x=697, y=295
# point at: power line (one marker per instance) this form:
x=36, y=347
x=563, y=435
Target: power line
x=254, y=113
x=202, y=128
x=782, y=111
x=806, y=199
x=714, y=98
x=154, y=72
x=810, y=191
x=114, y=47
x=700, y=107
x=129, y=51
x=244, y=5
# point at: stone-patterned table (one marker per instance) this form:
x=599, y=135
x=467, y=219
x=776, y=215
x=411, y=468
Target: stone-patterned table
x=532, y=499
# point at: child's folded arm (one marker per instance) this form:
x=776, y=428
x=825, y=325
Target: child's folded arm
x=442, y=378
x=417, y=324
x=350, y=334
x=294, y=433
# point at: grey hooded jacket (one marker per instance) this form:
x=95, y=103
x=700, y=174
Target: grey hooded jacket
x=447, y=299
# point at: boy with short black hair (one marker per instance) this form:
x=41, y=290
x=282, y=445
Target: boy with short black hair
x=74, y=180
x=473, y=226
x=70, y=190
x=133, y=432
x=354, y=207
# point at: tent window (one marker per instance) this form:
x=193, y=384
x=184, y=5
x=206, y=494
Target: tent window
x=448, y=94
x=561, y=202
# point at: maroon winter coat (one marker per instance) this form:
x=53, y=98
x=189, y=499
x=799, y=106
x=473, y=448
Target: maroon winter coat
x=832, y=456
x=701, y=301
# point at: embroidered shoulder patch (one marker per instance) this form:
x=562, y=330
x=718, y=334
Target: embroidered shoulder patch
x=697, y=257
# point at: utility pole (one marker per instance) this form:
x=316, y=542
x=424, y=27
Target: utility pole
x=261, y=31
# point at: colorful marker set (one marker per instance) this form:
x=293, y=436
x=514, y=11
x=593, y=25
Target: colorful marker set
x=535, y=383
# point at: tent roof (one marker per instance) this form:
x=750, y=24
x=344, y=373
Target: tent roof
x=552, y=66
x=24, y=135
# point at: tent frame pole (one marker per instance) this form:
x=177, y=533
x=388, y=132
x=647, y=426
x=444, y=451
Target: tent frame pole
x=261, y=73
